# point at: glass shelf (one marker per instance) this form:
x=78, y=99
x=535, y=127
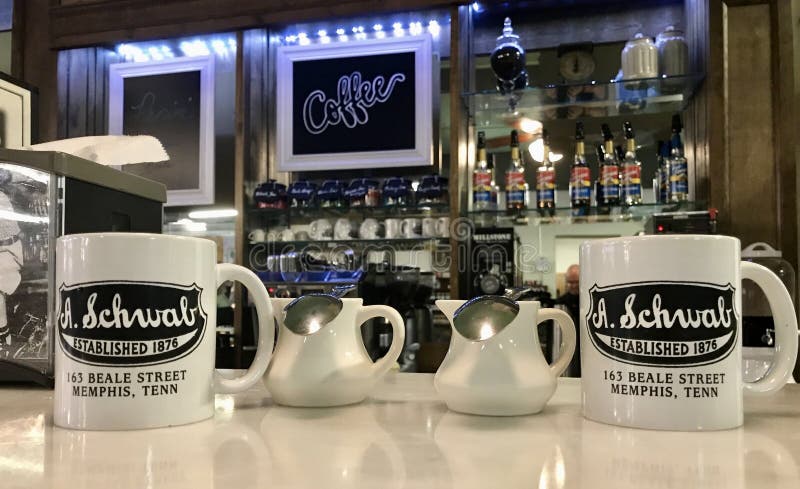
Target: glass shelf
x=582, y=100
x=377, y=212
x=565, y=215
x=332, y=243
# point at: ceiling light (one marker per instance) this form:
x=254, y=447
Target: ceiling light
x=213, y=213
x=536, y=150
x=529, y=125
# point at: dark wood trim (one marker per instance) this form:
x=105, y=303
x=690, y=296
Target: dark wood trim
x=113, y=21
x=744, y=3
x=784, y=105
x=18, y=38
x=34, y=62
x=456, y=144
x=706, y=118
x=238, y=192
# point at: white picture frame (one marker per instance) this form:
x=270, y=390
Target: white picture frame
x=16, y=107
x=203, y=194
x=420, y=155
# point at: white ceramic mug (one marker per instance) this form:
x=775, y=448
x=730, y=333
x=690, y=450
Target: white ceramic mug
x=287, y=235
x=342, y=228
x=330, y=367
x=135, y=325
x=392, y=227
x=443, y=227
x=411, y=227
x=429, y=227
x=320, y=229
x=660, y=340
x=369, y=229
x=257, y=236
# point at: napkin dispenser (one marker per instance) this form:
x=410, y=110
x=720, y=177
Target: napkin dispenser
x=44, y=195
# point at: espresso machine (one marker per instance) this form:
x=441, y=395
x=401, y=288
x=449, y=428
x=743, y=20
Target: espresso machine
x=409, y=291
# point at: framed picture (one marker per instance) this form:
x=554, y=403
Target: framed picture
x=18, y=113
x=172, y=100
x=363, y=104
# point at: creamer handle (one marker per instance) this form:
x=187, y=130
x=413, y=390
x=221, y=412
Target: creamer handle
x=266, y=328
x=398, y=335
x=567, y=334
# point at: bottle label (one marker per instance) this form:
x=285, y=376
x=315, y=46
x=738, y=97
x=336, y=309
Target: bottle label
x=580, y=183
x=609, y=175
x=608, y=193
x=546, y=186
x=678, y=178
x=515, y=188
x=515, y=180
x=481, y=180
x=632, y=180
x=609, y=183
x=663, y=185
x=515, y=197
x=481, y=187
x=481, y=196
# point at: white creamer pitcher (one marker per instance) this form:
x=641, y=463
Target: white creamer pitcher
x=330, y=367
x=505, y=374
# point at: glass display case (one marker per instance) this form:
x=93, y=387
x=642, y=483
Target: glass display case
x=44, y=195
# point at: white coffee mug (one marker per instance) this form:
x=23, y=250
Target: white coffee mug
x=287, y=235
x=392, y=227
x=369, y=229
x=342, y=228
x=330, y=366
x=135, y=328
x=257, y=236
x=411, y=227
x=429, y=227
x=661, y=346
x=320, y=229
x=443, y=227
x=273, y=235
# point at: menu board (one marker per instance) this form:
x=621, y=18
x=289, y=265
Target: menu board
x=362, y=104
x=359, y=103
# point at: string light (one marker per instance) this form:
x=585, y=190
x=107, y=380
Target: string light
x=358, y=32
x=226, y=46
x=434, y=28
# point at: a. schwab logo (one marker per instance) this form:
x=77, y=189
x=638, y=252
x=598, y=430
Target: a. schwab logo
x=676, y=324
x=122, y=324
x=353, y=97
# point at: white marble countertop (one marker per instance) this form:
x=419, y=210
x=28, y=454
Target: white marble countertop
x=404, y=437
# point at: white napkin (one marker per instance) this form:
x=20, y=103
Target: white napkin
x=109, y=150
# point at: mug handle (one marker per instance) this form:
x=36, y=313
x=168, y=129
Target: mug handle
x=382, y=365
x=785, y=329
x=266, y=328
x=567, y=333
